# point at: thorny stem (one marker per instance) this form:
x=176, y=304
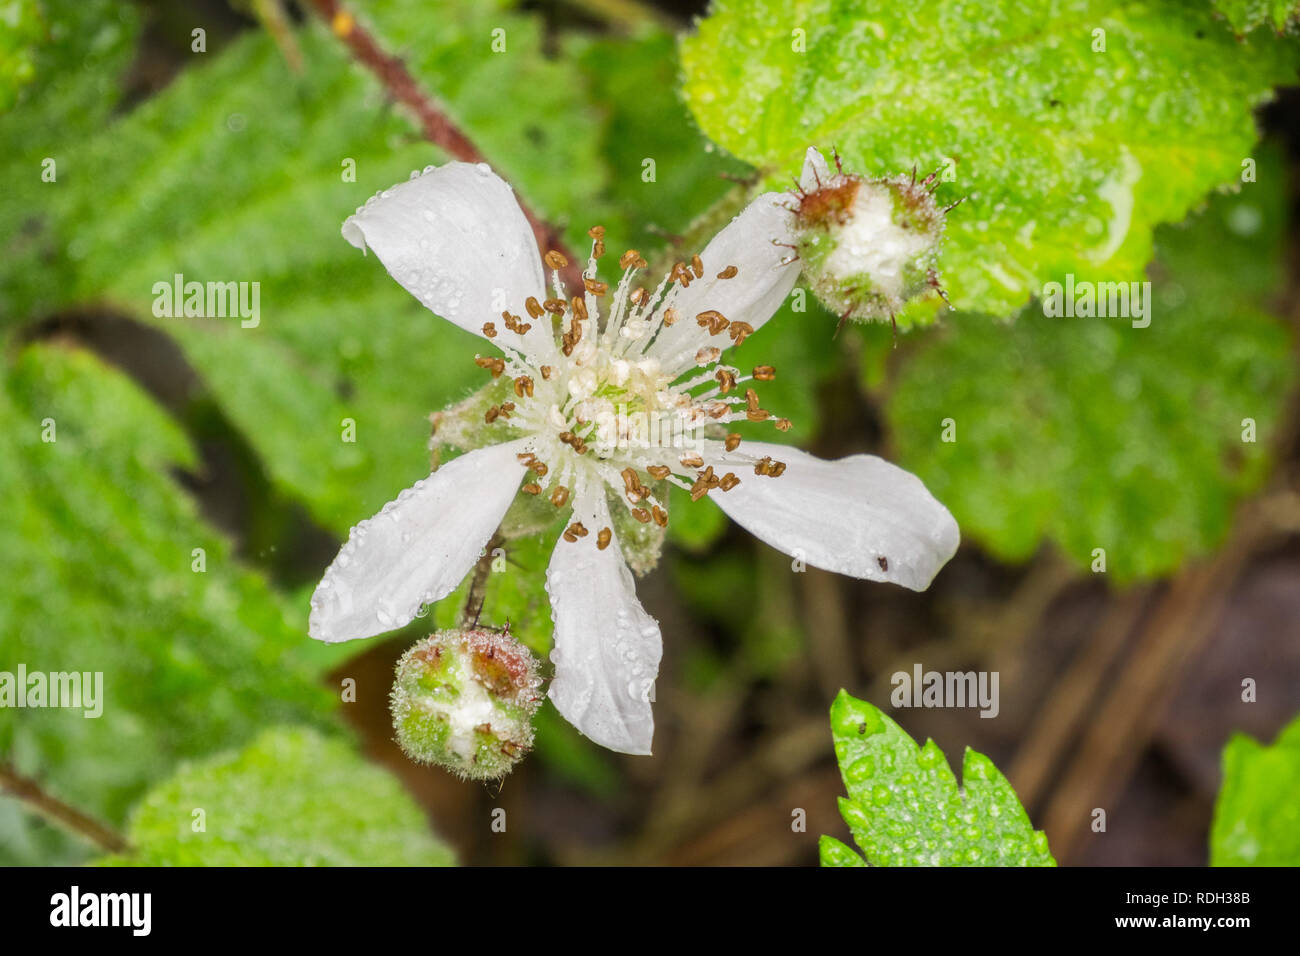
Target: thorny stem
x=30, y=793
x=437, y=126
x=478, y=584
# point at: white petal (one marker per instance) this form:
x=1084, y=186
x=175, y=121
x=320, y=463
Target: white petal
x=418, y=548
x=456, y=239
x=752, y=296
x=859, y=515
x=815, y=170
x=607, y=648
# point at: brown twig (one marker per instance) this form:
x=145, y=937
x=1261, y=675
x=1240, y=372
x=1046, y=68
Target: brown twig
x=438, y=128
x=54, y=809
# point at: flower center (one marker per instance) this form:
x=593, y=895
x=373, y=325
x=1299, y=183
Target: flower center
x=598, y=406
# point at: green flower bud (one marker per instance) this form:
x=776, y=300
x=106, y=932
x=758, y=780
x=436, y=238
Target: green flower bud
x=867, y=246
x=465, y=700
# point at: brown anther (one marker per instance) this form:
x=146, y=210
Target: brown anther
x=556, y=260
x=680, y=274
x=716, y=321
x=719, y=410
x=532, y=488
x=764, y=373
x=546, y=371
x=670, y=316
x=525, y=458
x=631, y=480
x=777, y=469
x=660, y=516
x=598, y=248
x=638, y=295
x=629, y=259
x=569, y=536
x=491, y=414
x=578, y=530
x=697, y=266
x=728, y=273
x=693, y=461
x=534, y=307
x=641, y=515
x=751, y=399
x=603, y=538
x=726, y=379
x=707, y=355
x=758, y=414
x=559, y=496
x=659, y=472
x=729, y=481
x=595, y=287
x=740, y=331
x=699, y=490
x=490, y=330
x=539, y=467
x=579, y=307
x=524, y=386
x=494, y=365
x=782, y=424
x=596, y=232
x=732, y=442
x=555, y=306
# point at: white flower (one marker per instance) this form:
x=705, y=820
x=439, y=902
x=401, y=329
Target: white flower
x=604, y=416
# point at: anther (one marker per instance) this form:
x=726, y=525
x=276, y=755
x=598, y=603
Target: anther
x=556, y=260
x=692, y=461
x=670, y=316
x=728, y=273
x=490, y=330
x=707, y=355
x=631, y=258
x=532, y=488
x=559, y=496
x=715, y=321
x=659, y=472
x=660, y=516
x=729, y=481
x=595, y=287
x=494, y=365
x=764, y=373
x=579, y=307
x=726, y=379
x=546, y=372
x=641, y=515
x=732, y=442
x=603, y=538
x=555, y=306
x=697, y=266
x=740, y=331
x=539, y=467
x=534, y=307
x=782, y=424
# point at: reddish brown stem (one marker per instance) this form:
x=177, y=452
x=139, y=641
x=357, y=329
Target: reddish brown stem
x=52, y=808
x=437, y=127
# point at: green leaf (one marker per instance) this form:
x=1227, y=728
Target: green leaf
x=1068, y=158
x=292, y=797
x=100, y=543
x=1246, y=15
x=1257, y=816
x=905, y=808
x=1095, y=434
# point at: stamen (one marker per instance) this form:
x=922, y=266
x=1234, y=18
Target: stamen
x=534, y=307
x=631, y=259
x=546, y=371
x=659, y=472
x=732, y=442
x=740, y=331
x=559, y=496
x=641, y=515
x=532, y=488
x=782, y=424
x=555, y=306
x=707, y=355
x=579, y=307
x=764, y=373
x=660, y=516
x=556, y=260
x=603, y=538
x=729, y=481
x=697, y=266
x=490, y=330
x=714, y=319
x=492, y=364
x=595, y=288
x=728, y=273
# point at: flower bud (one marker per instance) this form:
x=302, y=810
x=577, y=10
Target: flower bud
x=867, y=246
x=465, y=699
